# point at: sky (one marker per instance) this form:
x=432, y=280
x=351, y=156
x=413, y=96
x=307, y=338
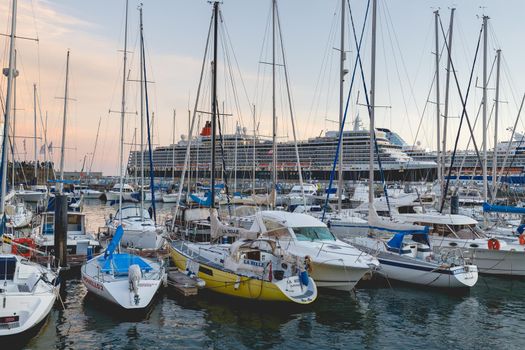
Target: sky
x=175, y=34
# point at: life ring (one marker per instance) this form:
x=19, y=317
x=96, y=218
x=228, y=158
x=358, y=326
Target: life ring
x=493, y=244
x=521, y=239
x=23, y=247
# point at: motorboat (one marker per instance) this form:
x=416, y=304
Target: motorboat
x=114, y=193
x=335, y=264
x=34, y=195
x=28, y=291
x=79, y=241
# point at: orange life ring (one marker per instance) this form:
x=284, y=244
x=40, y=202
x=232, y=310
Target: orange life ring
x=23, y=247
x=522, y=239
x=493, y=244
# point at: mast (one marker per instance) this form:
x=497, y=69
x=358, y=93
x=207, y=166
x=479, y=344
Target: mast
x=173, y=149
x=372, y=106
x=35, y=143
x=496, y=113
x=485, y=178
x=438, y=107
x=274, y=116
x=62, y=148
x=214, y=99
x=142, y=123
x=447, y=88
x=13, y=143
x=10, y=75
x=123, y=111
x=342, y=58
x=235, y=158
x=253, y=157
x=94, y=148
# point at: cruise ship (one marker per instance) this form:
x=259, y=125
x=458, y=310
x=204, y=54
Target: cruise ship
x=467, y=160
x=316, y=156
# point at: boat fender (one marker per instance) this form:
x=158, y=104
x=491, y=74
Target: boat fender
x=134, y=276
x=303, y=278
x=493, y=244
x=308, y=264
x=270, y=272
x=522, y=239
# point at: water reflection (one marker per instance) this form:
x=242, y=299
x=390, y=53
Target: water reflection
x=492, y=315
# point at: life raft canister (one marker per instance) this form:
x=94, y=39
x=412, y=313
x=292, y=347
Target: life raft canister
x=493, y=244
x=23, y=247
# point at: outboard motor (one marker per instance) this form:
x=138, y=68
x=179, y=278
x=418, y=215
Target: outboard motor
x=134, y=276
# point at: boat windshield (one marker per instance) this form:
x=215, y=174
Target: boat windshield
x=313, y=233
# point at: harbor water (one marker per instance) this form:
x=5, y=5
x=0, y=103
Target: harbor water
x=490, y=316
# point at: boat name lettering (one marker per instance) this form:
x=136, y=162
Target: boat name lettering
x=93, y=283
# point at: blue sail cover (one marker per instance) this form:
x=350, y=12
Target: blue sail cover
x=488, y=208
x=202, y=202
x=114, y=242
x=397, y=240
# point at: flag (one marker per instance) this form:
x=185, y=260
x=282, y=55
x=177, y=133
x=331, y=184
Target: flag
x=43, y=149
x=50, y=147
x=24, y=142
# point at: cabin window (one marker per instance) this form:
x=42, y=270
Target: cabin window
x=255, y=255
x=275, y=229
x=74, y=222
x=313, y=233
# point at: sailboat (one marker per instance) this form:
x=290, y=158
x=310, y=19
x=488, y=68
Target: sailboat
x=28, y=291
x=79, y=241
x=140, y=228
x=404, y=249
x=126, y=280
x=251, y=267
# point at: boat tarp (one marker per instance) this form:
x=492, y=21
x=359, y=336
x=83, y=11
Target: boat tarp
x=202, y=202
x=119, y=263
x=397, y=240
x=488, y=208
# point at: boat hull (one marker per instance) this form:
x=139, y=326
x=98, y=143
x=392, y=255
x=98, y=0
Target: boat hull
x=456, y=277
x=337, y=277
x=504, y=262
x=31, y=313
x=229, y=283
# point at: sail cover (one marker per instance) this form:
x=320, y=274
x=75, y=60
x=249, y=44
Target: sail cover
x=114, y=242
x=218, y=229
x=488, y=208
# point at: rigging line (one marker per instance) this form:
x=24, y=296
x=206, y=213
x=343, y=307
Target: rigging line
x=381, y=173
x=475, y=123
x=192, y=124
x=150, y=151
x=227, y=63
x=324, y=63
x=224, y=170
x=354, y=70
x=227, y=33
x=259, y=80
x=387, y=76
x=464, y=114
